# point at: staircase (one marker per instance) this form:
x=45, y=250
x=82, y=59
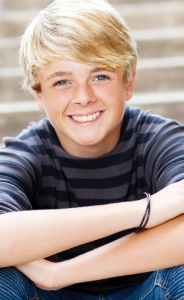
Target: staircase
x=158, y=27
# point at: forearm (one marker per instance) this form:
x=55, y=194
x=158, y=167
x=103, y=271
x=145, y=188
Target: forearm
x=153, y=249
x=31, y=235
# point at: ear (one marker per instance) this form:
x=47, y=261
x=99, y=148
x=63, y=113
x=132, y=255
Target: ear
x=39, y=100
x=130, y=88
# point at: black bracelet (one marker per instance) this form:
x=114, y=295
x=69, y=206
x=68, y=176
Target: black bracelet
x=146, y=214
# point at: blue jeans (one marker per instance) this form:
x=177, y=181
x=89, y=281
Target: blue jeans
x=163, y=284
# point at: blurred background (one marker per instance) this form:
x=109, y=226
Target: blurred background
x=158, y=28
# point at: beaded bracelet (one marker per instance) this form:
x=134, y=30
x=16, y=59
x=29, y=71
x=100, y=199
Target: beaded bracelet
x=146, y=214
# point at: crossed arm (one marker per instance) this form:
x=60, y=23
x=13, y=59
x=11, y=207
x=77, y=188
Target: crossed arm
x=153, y=249
x=158, y=247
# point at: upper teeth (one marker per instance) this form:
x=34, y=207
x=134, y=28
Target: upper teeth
x=88, y=118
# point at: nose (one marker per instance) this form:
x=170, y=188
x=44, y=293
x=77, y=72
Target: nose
x=84, y=95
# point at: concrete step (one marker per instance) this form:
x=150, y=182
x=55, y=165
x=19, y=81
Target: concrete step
x=167, y=104
x=139, y=16
x=135, y=2
x=172, y=110
x=156, y=74
x=12, y=121
x=160, y=74
x=29, y=4
x=14, y=118
x=23, y=5
x=9, y=48
x=10, y=85
x=13, y=23
x=155, y=14
x=163, y=42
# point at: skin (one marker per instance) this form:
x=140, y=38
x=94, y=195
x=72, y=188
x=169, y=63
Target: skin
x=70, y=91
x=157, y=248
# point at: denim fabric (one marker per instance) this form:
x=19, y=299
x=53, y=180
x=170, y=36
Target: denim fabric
x=167, y=284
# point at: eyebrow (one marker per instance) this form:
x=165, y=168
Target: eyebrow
x=94, y=70
x=66, y=73
x=59, y=74
x=97, y=69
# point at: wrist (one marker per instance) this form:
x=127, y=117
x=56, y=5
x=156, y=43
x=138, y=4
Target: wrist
x=146, y=214
x=139, y=209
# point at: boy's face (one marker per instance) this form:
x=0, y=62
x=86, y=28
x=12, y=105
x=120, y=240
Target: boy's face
x=84, y=104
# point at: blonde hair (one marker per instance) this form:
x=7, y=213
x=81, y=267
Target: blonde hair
x=86, y=31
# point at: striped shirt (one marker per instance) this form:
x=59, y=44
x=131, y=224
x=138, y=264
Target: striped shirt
x=36, y=173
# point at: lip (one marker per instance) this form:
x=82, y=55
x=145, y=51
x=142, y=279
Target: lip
x=91, y=121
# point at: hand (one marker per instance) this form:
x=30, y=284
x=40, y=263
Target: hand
x=41, y=272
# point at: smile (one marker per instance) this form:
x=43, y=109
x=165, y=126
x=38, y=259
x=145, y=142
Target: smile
x=87, y=118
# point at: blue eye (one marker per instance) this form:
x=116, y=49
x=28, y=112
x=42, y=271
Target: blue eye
x=61, y=82
x=101, y=77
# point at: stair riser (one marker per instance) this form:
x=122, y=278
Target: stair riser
x=8, y=56
x=172, y=110
x=159, y=80
x=22, y=4
x=161, y=48
x=29, y=4
x=11, y=124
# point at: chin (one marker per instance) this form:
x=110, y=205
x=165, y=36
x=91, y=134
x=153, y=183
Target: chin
x=89, y=143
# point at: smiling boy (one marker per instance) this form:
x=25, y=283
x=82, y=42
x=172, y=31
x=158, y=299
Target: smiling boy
x=91, y=197
x=85, y=105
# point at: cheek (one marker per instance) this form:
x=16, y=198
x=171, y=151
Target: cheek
x=116, y=98
x=53, y=102
x=104, y=94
